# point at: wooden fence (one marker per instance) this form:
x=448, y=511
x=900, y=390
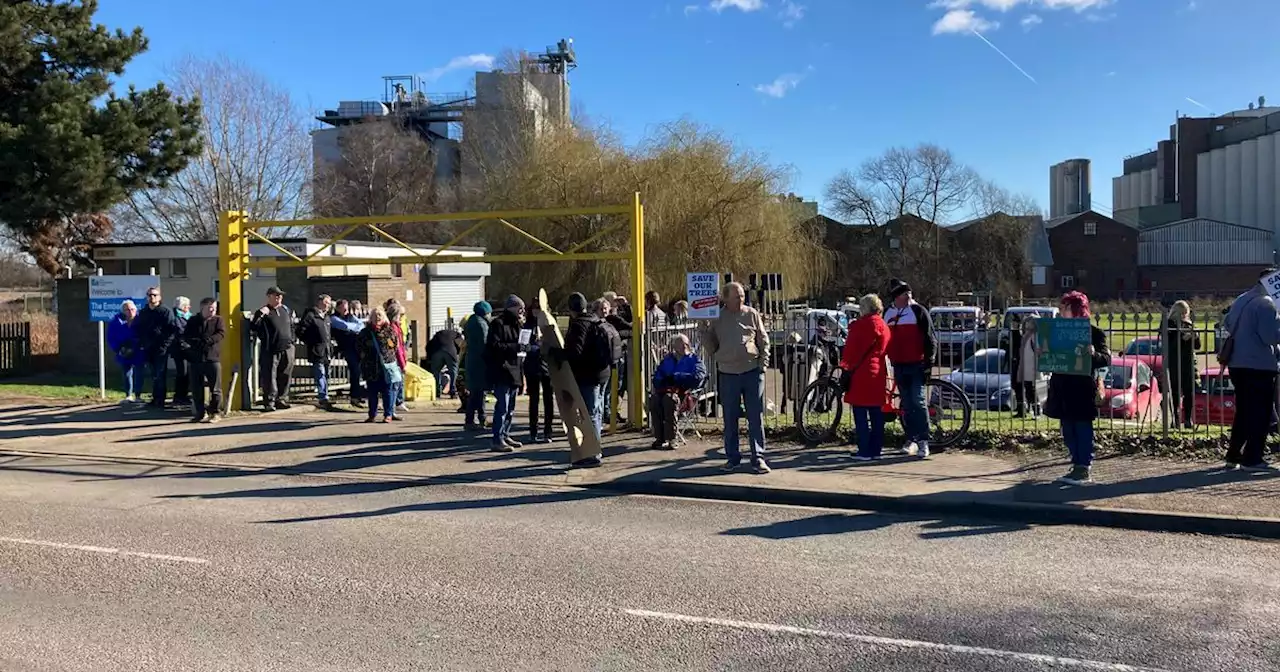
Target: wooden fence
x=15, y=348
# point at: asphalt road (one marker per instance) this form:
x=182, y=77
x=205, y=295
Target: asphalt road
x=119, y=567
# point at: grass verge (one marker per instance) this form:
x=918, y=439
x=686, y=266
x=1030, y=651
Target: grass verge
x=55, y=387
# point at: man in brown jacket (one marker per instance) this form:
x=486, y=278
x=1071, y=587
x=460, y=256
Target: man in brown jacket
x=739, y=343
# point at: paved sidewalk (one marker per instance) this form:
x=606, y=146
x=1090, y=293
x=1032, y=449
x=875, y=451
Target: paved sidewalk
x=1133, y=492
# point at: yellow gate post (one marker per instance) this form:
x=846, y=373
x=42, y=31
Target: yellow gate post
x=232, y=249
x=638, y=352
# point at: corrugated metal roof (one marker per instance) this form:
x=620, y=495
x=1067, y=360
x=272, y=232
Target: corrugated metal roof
x=1205, y=242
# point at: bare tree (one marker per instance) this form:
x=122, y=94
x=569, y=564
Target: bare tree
x=926, y=181
x=257, y=156
x=990, y=198
x=383, y=169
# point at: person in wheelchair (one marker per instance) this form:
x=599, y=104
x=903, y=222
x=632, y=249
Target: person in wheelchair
x=679, y=374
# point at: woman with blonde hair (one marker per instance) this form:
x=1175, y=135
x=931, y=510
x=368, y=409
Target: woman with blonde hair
x=1182, y=343
x=1021, y=355
x=378, y=364
x=866, y=376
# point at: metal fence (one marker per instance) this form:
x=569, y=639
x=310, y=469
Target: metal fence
x=1140, y=396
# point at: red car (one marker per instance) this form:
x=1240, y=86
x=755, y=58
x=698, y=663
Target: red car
x=1148, y=350
x=1131, y=391
x=1215, y=400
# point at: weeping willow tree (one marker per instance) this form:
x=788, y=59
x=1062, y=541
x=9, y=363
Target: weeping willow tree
x=710, y=206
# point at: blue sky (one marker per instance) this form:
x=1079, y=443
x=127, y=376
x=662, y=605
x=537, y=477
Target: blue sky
x=819, y=85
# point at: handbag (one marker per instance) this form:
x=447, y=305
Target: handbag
x=1228, y=346
x=390, y=371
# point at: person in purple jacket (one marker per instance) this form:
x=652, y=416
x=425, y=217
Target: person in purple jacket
x=124, y=343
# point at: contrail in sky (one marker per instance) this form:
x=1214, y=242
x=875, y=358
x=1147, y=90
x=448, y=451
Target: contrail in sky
x=1006, y=56
x=1199, y=104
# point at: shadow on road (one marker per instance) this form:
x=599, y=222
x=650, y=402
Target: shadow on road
x=847, y=523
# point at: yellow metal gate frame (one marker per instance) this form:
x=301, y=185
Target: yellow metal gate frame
x=236, y=230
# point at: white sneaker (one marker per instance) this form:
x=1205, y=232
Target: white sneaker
x=909, y=449
x=922, y=450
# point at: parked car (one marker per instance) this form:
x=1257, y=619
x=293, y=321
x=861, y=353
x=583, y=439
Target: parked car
x=1131, y=392
x=1148, y=350
x=1017, y=314
x=961, y=332
x=985, y=380
x=1215, y=399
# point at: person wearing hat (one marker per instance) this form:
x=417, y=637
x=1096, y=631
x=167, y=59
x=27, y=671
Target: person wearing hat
x=503, y=350
x=476, y=333
x=273, y=324
x=912, y=348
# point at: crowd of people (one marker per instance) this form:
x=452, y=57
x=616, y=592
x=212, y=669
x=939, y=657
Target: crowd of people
x=502, y=353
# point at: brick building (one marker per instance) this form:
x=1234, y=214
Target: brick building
x=1093, y=253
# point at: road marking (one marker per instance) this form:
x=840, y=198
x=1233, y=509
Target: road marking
x=891, y=642
x=103, y=549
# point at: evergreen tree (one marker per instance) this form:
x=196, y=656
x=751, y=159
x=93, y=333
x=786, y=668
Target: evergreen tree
x=70, y=148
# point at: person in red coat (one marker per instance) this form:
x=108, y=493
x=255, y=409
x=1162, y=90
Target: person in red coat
x=867, y=372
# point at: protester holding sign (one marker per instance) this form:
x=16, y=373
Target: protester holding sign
x=1251, y=351
x=1073, y=395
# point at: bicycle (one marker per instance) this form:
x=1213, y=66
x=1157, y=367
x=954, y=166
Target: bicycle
x=943, y=399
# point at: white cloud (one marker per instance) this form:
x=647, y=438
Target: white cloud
x=791, y=13
x=690, y=9
x=1006, y=5
x=1031, y=21
x=472, y=62
x=779, y=87
x=743, y=5
x=962, y=21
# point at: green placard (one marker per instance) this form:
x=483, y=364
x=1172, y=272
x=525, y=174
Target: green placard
x=1064, y=346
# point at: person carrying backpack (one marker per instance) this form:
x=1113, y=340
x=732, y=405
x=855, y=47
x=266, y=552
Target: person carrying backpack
x=589, y=352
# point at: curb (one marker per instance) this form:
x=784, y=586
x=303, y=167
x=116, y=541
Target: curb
x=906, y=506
x=1024, y=512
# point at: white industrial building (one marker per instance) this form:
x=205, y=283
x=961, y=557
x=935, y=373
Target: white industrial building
x=1070, y=188
x=1224, y=168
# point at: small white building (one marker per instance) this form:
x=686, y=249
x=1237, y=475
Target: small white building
x=429, y=294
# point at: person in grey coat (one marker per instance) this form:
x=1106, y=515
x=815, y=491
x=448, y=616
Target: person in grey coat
x=477, y=380
x=1252, y=360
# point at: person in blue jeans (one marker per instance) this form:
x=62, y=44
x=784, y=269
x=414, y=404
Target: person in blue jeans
x=124, y=343
x=912, y=350
x=381, y=370
x=504, y=351
x=867, y=377
x=739, y=343
x=1072, y=397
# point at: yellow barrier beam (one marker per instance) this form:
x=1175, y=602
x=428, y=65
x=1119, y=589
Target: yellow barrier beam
x=333, y=241
x=272, y=243
x=528, y=236
x=638, y=354
x=444, y=217
x=596, y=236
x=393, y=239
x=448, y=259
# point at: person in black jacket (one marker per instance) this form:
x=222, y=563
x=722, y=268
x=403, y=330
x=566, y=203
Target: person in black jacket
x=203, y=334
x=589, y=372
x=1073, y=398
x=345, y=328
x=156, y=328
x=537, y=375
x=273, y=324
x=442, y=359
x=313, y=331
x=181, y=356
x=618, y=315
x=502, y=350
